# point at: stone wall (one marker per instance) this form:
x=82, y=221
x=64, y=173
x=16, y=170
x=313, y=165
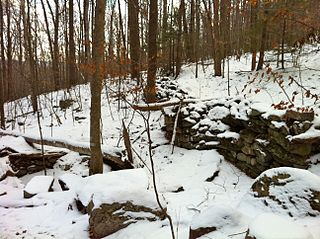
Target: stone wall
x=252, y=139
x=28, y=163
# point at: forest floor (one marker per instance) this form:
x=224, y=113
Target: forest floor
x=51, y=217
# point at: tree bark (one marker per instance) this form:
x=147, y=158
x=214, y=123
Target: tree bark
x=253, y=21
x=263, y=45
x=10, y=87
x=2, y=71
x=30, y=54
x=133, y=22
x=217, y=40
x=86, y=33
x=72, y=73
x=150, y=89
x=96, y=162
x=179, y=43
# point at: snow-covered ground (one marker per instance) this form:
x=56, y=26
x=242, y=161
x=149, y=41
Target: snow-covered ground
x=54, y=214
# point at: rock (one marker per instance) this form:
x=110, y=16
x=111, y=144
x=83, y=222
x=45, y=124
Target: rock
x=248, y=150
x=244, y=158
x=38, y=184
x=110, y=207
x=110, y=218
x=276, y=136
x=268, y=225
x=196, y=233
x=292, y=115
x=69, y=181
x=289, y=191
x=248, y=135
x=250, y=139
x=301, y=149
x=213, y=219
x=24, y=163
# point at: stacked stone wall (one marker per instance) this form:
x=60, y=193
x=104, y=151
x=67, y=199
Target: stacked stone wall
x=252, y=140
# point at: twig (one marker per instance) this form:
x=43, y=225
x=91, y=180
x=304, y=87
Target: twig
x=235, y=234
x=175, y=128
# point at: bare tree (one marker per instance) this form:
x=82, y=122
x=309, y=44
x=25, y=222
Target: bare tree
x=150, y=89
x=72, y=73
x=2, y=70
x=133, y=22
x=96, y=162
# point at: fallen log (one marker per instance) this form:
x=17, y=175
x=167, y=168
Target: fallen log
x=161, y=105
x=111, y=155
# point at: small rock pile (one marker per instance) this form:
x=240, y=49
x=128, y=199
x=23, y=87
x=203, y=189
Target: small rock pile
x=253, y=140
x=168, y=89
x=28, y=163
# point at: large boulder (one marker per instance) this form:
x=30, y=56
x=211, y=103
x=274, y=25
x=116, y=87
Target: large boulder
x=288, y=191
x=112, y=217
x=272, y=226
x=212, y=219
x=116, y=200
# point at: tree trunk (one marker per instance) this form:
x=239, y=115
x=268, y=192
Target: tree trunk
x=179, y=43
x=150, y=90
x=164, y=33
x=197, y=43
x=253, y=39
x=30, y=55
x=217, y=40
x=49, y=41
x=111, y=34
x=192, y=31
x=282, y=41
x=133, y=22
x=2, y=71
x=263, y=45
x=10, y=87
x=96, y=162
x=55, y=62
x=72, y=50
x=86, y=33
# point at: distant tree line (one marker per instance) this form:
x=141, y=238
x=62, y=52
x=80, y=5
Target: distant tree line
x=48, y=45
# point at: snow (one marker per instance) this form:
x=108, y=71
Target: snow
x=216, y=216
x=300, y=177
x=218, y=112
x=227, y=135
x=72, y=181
x=220, y=202
x=18, y=144
x=272, y=226
x=114, y=186
x=4, y=167
x=39, y=184
x=310, y=133
x=292, y=192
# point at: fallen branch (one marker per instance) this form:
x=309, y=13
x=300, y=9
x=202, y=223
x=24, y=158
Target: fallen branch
x=161, y=105
x=111, y=156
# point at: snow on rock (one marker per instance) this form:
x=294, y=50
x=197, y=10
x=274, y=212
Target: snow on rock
x=5, y=169
x=287, y=191
x=69, y=181
x=116, y=199
x=212, y=219
x=17, y=144
x=38, y=184
x=218, y=112
x=114, y=187
x=267, y=110
x=272, y=226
